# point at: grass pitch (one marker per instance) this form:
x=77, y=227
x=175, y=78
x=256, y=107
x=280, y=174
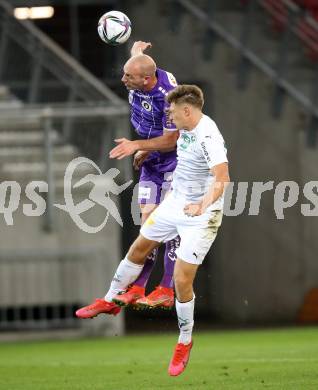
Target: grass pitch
x=248, y=360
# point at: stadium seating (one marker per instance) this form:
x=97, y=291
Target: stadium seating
x=307, y=31
x=310, y=6
x=278, y=12
x=306, y=26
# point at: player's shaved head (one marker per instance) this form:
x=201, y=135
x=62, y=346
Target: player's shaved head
x=142, y=64
x=140, y=73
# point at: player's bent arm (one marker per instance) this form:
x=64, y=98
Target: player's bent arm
x=167, y=141
x=221, y=174
x=174, y=139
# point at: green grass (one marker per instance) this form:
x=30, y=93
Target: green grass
x=248, y=360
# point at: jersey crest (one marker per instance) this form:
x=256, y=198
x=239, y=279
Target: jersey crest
x=146, y=105
x=187, y=140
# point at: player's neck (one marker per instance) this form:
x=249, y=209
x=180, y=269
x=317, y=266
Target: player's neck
x=194, y=121
x=152, y=83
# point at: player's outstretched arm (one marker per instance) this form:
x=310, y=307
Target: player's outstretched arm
x=139, y=47
x=126, y=147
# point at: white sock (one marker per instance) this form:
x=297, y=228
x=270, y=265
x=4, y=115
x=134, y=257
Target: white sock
x=185, y=312
x=126, y=273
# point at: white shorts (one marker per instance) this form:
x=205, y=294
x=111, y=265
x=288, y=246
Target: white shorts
x=196, y=233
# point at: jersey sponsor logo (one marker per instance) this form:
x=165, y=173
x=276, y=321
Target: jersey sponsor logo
x=146, y=105
x=163, y=91
x=205, y=152
x=169, y=123
x=186, y=140
x=141, y=95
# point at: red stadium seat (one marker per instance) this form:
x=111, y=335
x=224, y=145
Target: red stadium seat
x=307, y=28
x=278, y=12
x=310, y=5
x=307, y=31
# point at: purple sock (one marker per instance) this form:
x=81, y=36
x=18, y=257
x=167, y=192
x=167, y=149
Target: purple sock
x=169, y=262
x=148, y=267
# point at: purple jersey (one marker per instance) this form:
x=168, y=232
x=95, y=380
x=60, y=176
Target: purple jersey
x=149, y=109
x=149, y=117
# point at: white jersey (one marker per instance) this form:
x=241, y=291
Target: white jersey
x=198, y=151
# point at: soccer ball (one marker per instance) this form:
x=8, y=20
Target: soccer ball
x=114, y=28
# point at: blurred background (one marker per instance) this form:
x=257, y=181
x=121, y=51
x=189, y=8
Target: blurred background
x=61, y=97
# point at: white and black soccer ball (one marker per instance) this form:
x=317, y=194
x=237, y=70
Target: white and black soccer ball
x=114, y=27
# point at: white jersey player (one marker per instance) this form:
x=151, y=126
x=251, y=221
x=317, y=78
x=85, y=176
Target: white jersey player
x=193, y=210
x=198, y=150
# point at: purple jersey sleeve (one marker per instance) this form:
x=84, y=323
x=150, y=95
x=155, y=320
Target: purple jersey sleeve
x=170, y=83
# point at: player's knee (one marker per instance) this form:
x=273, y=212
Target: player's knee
x=182, y=282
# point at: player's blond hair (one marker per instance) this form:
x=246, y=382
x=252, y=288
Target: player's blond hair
x=190, y=94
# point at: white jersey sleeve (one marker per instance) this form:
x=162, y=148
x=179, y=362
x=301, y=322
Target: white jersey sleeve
x=213, y=146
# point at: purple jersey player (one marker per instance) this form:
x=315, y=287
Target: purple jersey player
x=148, y=87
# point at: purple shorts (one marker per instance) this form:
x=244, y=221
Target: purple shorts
x=155, y=177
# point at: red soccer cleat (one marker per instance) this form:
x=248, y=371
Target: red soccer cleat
x=179, y=359
x=130, y=296
x=98, y=307
x=161, y=297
